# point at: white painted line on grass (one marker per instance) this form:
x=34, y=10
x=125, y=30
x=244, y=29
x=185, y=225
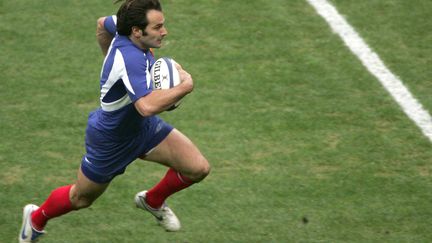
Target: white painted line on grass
x=373, y=63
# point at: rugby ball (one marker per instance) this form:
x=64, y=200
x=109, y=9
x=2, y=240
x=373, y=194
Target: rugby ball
x=164, y=75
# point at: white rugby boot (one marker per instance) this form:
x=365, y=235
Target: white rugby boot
x=27, y=233
x=164, y=215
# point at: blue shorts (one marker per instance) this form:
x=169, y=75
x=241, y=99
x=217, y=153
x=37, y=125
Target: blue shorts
x=107, y=157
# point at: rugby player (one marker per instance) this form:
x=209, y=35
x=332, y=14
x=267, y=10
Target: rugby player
x=126, y=127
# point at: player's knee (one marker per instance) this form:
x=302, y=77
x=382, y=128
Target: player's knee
x=201, y=171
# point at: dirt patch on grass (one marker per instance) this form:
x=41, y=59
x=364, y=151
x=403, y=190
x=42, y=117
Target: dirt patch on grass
x=12, y=175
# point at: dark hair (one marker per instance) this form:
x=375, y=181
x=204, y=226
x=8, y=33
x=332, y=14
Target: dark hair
x=134, y=13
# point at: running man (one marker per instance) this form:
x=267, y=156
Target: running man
x=126, y=127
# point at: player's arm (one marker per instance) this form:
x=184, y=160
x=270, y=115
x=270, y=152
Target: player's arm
x=104, y=37
x=160, y=100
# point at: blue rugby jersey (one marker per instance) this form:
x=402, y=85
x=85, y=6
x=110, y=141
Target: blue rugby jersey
x=125, y=77
x=110, y=24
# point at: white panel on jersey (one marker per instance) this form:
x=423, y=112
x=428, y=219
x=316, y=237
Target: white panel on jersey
x=148, y=76
x=122, y=102
x=118, y=71
x=124, y=76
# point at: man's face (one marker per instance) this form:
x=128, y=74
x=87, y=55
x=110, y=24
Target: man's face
x=155, y=30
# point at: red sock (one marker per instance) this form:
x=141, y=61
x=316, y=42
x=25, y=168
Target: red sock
x=170, y=184
x=58, y=203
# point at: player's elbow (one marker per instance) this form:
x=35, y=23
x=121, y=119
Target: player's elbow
x=100, y=23
x=145, y=109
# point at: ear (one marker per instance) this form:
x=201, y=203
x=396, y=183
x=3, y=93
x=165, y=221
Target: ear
x=136, y=32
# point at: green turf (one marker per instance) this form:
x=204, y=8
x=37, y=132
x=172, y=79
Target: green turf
x=305, y=144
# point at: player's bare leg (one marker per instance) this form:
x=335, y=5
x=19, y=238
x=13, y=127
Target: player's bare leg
x=187, y=166
x=61, y=201
x=178, y=152
x=84, y=192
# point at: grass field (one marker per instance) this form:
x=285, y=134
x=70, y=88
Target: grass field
x=305, y=144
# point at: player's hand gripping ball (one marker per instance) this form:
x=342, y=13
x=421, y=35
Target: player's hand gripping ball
x=165, y=75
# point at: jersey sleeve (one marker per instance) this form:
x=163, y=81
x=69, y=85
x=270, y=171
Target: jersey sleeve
x=110, y=24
